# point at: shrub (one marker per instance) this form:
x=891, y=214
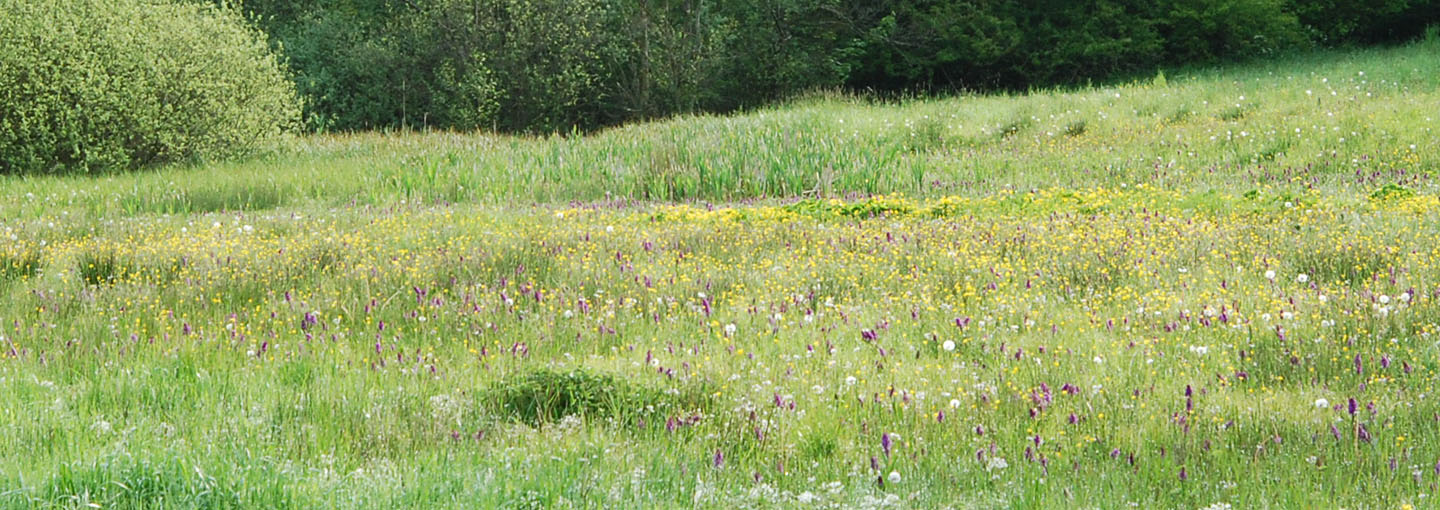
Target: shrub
x=95, y=85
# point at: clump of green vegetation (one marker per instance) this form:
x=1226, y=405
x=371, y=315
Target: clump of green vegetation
x=1391, y=191
x=1346, y=264
x=1232, y=113
x=94, y=86
x=926, y=134
x=19, y=266
x=863, y=209
x=545, y=396
x=1017, y=123
x=102, y=267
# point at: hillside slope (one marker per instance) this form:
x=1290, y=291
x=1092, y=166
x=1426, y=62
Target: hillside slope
x=1336, y=121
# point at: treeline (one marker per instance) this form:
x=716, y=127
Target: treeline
x=557, y=65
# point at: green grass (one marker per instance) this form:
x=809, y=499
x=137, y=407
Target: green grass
x=1335, y=121
x=776, y=309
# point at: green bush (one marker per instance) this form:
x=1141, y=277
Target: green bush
x=97, y=85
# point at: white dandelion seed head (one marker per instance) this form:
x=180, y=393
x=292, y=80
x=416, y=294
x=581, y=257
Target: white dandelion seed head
x=996, y=463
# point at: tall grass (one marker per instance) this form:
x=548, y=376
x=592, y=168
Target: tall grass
x=1331, y=120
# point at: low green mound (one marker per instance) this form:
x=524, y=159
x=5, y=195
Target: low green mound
x=547, y=396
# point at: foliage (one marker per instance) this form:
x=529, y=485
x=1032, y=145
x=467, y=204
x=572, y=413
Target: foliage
x=94, y=85
x=547, y=396
x=548, y=66
x=1348, y=21
x=1205, y=30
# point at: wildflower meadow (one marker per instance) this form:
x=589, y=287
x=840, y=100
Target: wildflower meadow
x=1214, y=289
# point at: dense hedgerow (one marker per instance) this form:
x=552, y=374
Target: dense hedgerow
x=93, y=85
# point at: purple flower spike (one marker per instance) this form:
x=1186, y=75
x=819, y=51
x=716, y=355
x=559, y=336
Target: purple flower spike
x=719, y=459
x=885, y=443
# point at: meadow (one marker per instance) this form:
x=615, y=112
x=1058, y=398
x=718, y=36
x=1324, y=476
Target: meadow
x=1215, y=289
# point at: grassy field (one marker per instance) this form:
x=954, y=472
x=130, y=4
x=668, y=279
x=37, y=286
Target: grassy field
x=1209, y=289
